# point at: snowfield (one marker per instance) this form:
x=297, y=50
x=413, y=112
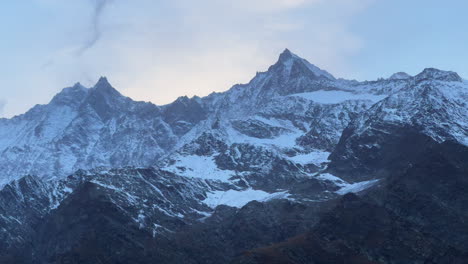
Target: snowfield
x=238, y=199
x=336, y=97
x=202, y=167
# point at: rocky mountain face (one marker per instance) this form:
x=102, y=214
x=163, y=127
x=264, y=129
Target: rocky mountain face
x=417, y=215
x=85, y=128
x=434, y=104
x=294, y=167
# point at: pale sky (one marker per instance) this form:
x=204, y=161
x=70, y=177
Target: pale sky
x=158, y=50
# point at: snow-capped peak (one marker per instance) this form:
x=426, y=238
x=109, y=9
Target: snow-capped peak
x=71, y=95
x=440, y=75
x=400, y=76
x=105, y=88
x=286, y=55
x=102, y=81
x=287, y=60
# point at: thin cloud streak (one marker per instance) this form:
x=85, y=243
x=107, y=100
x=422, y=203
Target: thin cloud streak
x=96, y=34
x=160, y=50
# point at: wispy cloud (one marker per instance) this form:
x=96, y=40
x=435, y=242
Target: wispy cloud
x=99, y=7
x=212, y=43
x=216, y=43
x=159, y=50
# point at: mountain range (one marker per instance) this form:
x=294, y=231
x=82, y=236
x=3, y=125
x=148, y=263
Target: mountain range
x=295, y=166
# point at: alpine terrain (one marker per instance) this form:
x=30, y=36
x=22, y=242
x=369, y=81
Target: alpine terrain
x=296, y=166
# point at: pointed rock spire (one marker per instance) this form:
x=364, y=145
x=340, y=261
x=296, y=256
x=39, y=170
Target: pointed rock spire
x=286, y=55
x=104, y=88
x=287, y=60
x=103, y=83
x=105, y=100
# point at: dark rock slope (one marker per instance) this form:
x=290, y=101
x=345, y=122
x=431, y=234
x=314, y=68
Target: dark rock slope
x=414, y=216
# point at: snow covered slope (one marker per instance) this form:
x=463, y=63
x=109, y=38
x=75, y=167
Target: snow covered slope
x=285, y=109
x=432, y=105
x=293, y=133
x=84, y=128
x=259, y=133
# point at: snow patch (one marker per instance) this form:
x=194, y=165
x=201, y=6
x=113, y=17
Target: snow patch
x=336, y=97
x=238, y=199
x=140, y=220
x=329, y=177
x=157, y=229
x=315, y=157
x=356, y=187
x=346, y=187
x=285, y=140
x=203, y=167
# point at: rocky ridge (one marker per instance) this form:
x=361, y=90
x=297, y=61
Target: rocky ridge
x=200, y=172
